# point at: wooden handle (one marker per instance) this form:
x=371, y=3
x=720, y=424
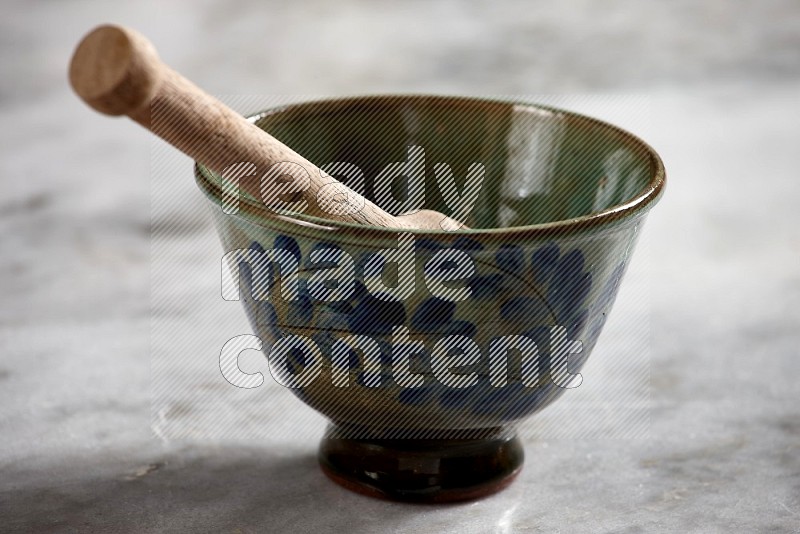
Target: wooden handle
x=118, y=72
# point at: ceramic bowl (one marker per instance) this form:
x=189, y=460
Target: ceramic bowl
x=424, y=366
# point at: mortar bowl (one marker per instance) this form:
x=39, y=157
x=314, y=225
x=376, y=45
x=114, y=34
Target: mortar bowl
x=424, y=348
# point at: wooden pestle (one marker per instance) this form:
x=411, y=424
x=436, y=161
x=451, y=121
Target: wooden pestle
x=117, y=71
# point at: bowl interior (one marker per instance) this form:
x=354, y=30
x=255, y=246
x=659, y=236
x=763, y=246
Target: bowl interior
x=541, y=165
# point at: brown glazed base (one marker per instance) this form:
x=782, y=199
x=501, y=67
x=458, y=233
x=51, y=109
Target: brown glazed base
x=458, y=467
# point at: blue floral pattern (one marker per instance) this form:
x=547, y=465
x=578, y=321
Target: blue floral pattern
x=513, y=291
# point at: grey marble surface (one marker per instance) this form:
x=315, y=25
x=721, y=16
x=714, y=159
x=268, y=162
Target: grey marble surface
x=722, y=449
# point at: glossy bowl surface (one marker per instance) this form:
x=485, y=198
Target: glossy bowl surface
x=552, y=231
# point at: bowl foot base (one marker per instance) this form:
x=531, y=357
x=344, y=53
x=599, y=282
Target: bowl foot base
x=458, y=466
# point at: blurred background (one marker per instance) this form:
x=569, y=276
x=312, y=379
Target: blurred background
x=722, y=86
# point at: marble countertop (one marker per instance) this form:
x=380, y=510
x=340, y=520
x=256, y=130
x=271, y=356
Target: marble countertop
x=714, y=287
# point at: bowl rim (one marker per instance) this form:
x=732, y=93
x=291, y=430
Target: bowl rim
x=639, y=204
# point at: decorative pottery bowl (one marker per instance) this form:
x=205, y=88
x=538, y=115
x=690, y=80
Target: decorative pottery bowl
x=424, y=348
